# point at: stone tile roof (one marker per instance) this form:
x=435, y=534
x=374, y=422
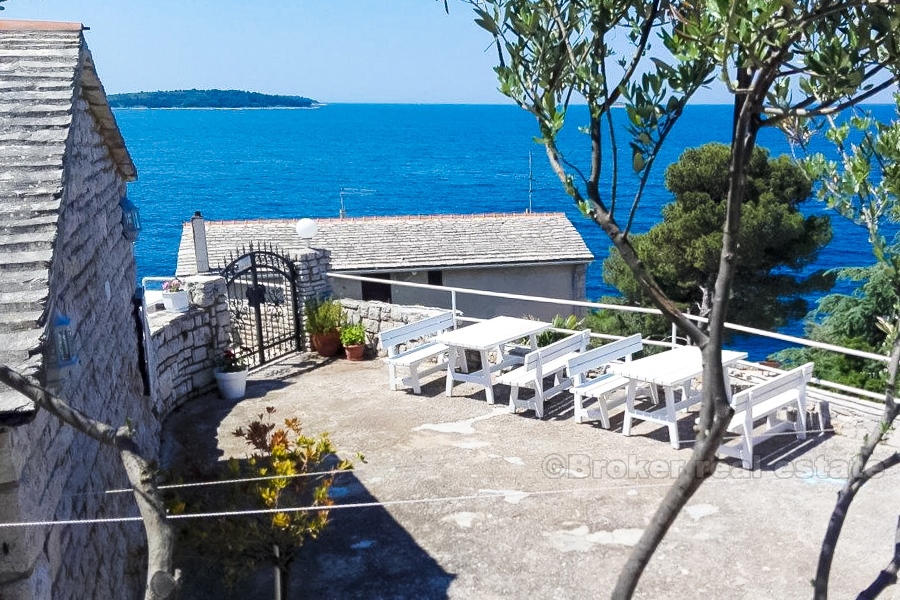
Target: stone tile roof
x=42, y=65
x=408, y=242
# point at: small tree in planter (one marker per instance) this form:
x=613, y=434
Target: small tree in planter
x=272, y=476
x=324, y=318
x=353, y=338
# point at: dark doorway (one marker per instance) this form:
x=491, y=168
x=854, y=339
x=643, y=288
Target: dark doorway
x=379, y=292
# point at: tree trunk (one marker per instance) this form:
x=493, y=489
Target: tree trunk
x=888, y=576
x=715, y=411
x=162, y=577
x=858, y=477
x=281, y=573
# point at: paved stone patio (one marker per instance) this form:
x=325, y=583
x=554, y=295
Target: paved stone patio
x=481, y=503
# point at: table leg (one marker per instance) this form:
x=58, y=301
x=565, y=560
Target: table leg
x=486, y=377
x=672, y=417
x=629, y=406
x=452, y=359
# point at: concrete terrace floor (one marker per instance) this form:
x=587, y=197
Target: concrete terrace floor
x=497, y=519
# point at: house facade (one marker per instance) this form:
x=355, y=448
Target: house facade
x=525, y=254
x=67, y=279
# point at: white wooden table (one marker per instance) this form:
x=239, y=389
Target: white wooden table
x=669, y=370
x=484, y=337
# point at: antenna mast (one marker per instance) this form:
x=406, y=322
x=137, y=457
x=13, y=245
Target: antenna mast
x=352, y=192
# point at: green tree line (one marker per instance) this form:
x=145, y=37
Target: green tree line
x=207, y=99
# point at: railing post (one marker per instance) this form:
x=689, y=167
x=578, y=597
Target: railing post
x=674, y=335
x=453, y=306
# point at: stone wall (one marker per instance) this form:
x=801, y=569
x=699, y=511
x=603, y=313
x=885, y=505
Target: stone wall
x=184, y=346
x=379, y=316
x=54, y=472
x=313, y=265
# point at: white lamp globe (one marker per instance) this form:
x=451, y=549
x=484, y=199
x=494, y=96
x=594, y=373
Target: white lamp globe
x=306, y=228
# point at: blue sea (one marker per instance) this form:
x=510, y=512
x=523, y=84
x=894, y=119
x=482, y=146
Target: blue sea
x=397, y=160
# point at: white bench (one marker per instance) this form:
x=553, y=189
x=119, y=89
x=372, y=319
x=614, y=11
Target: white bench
x=590, y=379
x=764, y=400
x=549, y=361
x=412, y=357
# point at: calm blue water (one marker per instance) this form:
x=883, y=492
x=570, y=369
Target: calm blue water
x=411, y=159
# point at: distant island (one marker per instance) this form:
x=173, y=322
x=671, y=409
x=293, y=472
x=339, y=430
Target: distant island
x=208, y=99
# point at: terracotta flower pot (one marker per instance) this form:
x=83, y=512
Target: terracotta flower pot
x=326, y=344
x=355, y=351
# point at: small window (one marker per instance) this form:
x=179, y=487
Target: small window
x=435, y=278
x=379, y=292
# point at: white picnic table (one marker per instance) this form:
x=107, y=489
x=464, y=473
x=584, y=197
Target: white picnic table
x=669, y=370
x=484, y=337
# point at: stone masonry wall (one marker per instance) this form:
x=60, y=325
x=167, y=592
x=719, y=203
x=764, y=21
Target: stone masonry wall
x=60, y=473
x=184, y=346
x=380, y=316
x=312, y=268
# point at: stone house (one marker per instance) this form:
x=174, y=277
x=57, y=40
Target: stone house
x=527, y=253
x=67, y=273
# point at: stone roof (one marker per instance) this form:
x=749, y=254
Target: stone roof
x=42, y=67
x=407, y=242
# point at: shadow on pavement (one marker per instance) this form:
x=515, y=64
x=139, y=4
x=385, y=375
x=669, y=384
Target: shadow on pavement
x=363, y=552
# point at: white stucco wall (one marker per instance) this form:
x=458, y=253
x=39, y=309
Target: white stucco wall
x=566, y=281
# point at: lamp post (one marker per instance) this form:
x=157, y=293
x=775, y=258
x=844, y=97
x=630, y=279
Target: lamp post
x=306, y=229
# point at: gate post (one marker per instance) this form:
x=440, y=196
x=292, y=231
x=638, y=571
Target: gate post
x=312, y=266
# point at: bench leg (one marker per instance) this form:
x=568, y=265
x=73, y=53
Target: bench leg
x=392, y=377
x=579, y=408
x=513, y=397
x=604, y=412
x=539, y=401
x=747, y=450
x=800, y=424
x=414, y=378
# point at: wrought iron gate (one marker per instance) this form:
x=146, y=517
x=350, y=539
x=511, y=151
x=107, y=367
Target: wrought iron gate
x=264, y=304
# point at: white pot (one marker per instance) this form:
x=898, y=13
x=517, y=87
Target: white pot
x=232, y=386
x=176, y=301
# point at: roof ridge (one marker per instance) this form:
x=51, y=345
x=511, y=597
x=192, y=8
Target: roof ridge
x=26, y=25
x=370, y=218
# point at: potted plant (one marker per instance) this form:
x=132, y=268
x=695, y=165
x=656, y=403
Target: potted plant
x=353, y=338
x=175, y=295
x=231, y=375
x=324, y=318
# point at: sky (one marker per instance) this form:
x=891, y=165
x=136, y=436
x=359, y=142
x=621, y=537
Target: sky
x=366, y=51
x=381, y=51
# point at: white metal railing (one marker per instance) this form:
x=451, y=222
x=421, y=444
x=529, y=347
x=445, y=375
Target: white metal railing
x=673, y=339
x=453, y=291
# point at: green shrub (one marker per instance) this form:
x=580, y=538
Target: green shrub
x=323, y=315
x=353, y=334
x=546, y=338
